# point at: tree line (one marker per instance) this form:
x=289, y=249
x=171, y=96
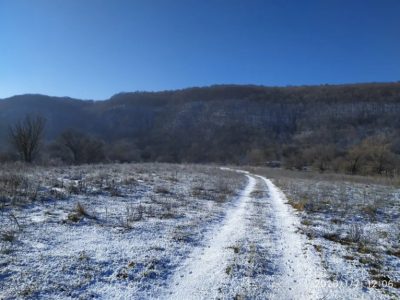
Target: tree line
x=346, y=128
x=377, y=154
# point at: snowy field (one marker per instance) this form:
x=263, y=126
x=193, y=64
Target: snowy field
x=160, y=231
x=352, y=222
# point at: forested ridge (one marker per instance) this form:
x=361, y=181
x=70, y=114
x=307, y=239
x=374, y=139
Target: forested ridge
x=351, y=128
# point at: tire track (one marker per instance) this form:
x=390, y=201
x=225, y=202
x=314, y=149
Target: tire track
x=204, y=271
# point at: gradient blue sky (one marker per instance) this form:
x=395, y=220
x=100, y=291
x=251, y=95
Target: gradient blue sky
x=93, y=49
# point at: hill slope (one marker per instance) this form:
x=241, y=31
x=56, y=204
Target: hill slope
x=225, y=123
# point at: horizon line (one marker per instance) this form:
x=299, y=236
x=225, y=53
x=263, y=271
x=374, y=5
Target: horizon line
x=202, y=87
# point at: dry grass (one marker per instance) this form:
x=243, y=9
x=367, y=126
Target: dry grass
x=353, y=213
x=329, y=177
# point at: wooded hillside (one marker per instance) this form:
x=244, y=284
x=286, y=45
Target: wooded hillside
x=354, y=128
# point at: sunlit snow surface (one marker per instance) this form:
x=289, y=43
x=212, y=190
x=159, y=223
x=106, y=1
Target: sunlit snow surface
x=162, y=231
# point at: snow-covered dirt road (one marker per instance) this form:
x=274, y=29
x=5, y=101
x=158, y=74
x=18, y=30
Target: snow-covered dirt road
x=300, y=275
x=205, y=270
x=256, y=252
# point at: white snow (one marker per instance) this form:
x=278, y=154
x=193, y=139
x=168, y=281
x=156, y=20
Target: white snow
x=189, y=244
x=301, y=276
x=298, y=275
x=204, y=272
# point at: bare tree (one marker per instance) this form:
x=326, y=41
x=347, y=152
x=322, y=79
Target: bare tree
x=26, y=136
x=77, y=147
x=355, y=157
x=378, y=156
x=74, y=142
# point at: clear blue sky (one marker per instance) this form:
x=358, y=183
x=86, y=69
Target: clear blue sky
x=93, y=49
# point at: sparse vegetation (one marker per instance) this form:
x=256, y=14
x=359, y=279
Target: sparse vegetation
x=347, y=218
x=77, y=212
x=348, y=215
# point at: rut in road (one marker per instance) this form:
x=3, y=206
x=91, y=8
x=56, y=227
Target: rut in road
x=204, y=270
